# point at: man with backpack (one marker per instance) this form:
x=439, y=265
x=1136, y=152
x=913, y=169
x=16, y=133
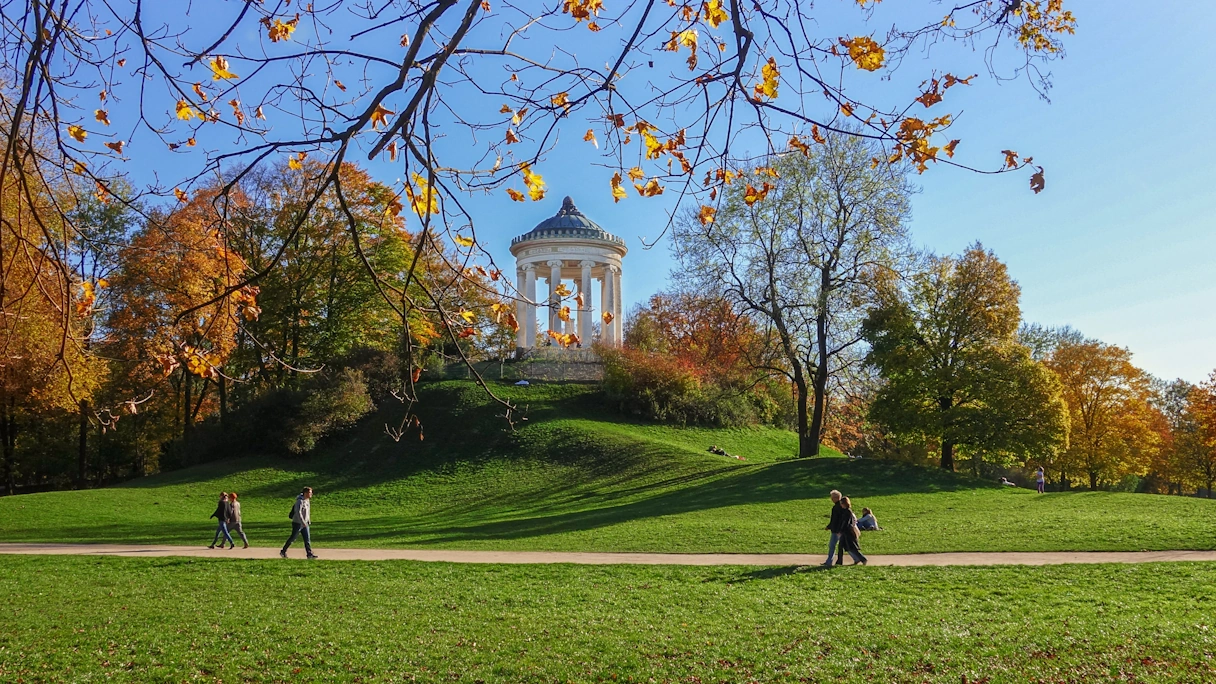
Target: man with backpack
x=300, y=520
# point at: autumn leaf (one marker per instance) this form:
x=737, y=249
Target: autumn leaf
x=258, y=113
x=589, y=136
x=713, y=13
x=185, y=112
x=561, y=100
x=219, y=69
x=797, y=144
x=511, y=137
x=280, y=30
x=534, y=181
x=339, y=85
x=515, y=194
x=578, y=300
x=618, y=192
x=392, y=151
x=463, y=241
x=949, y=147
x=468, y=316
x=562, y=290
x=636, y=173
x=607, y=316
x=294, y=164
x=116, y=146
x=1011, y=159
x=769, y=80
x=651, y=189
x=181, y=195
x=752, y=195
x=424, y=200
x=846, y=109
x=380, y=116
x=864, y=52
x=563, y=313
x=707, y=215
x=1037, y=182
x=78, y=133
x=102, y=116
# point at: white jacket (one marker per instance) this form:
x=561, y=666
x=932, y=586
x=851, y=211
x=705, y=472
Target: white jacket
x=302, y=516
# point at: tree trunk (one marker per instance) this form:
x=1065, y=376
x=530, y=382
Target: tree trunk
x=7, y=428
x=1093, y=481
x=947, y=455
x=82, y=457
x=807, y=446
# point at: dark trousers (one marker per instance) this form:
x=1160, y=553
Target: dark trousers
x=298, y=530
x=849, y=543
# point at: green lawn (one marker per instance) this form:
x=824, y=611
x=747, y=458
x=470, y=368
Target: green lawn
x=576, y=477
x=123, y=619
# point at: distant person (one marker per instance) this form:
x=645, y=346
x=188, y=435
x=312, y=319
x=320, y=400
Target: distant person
x=850, y=536
x=835, y=526
x=867, y=522
x=234, y=519
x=223, y=511
x=1007, y=483
x=1040, y=479
x=301, y=518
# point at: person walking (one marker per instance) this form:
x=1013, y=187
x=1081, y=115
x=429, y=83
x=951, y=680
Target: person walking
x=234, y=519
x=301, y=518
x=223, y=511
x=850, y=536
x=835, y=525
x=1040, y=479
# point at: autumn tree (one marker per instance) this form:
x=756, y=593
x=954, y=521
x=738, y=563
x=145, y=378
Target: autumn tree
x=1200, y=458
x=953, y=372
x=473, y=96
x=801, y=254
x=1110, y=427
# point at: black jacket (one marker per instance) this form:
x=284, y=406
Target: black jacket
x=840, y=519
x=223, y=511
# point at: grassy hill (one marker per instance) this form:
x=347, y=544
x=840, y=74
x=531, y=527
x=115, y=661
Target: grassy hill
x=573, y=476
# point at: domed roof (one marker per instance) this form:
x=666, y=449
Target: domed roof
x=568, y=222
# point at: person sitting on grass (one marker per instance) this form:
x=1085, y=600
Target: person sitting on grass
x=867, y=522
x=1007, y=483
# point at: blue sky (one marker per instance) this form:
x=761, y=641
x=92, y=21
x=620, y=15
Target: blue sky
x=1118, y=246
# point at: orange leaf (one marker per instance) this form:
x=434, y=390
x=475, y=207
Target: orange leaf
x=707, y=215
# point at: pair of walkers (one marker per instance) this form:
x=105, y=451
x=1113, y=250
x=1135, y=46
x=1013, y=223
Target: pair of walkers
x=228, y=514
x=845, y=534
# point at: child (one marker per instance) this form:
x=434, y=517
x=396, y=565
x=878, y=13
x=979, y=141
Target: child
x=867, y=522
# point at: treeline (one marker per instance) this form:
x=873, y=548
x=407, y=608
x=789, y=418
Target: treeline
x=135, y=341
x=802, y=303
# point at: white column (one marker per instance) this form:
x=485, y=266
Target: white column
x=555, y=279
x=521, y=310
x=584, y=313
x=603, y=305
x=609, y=306
x=528, y=321
x=618, y=307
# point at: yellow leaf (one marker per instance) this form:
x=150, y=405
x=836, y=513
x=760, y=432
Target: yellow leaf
x=607, y=316
x=752, y=195
x=707, y=215
x=280, y=30
x=180, y=195
x=636, y=173
x=564, y=313
x=380, y=116
x=561, y=100
x=78, y=133
x=185, y=112
x=562, y=290
x=651, y=189
x=102, y=116
x=468, y=316
x=713, y=13
x=769, y=80
x=618, y=193
x=589, y=136
x=1011, y=159
x=424, y=200
x=515, y=194
x=864, y=52
x=294, y=164
x=846, y=109
x=463, y=241
x=535, y=183
x=219, y=69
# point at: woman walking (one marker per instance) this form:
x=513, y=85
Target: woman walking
x=234, y=519
x=850, y=537
x=223, y=511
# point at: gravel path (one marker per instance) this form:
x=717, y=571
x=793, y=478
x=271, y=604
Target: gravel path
x=579, y=558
